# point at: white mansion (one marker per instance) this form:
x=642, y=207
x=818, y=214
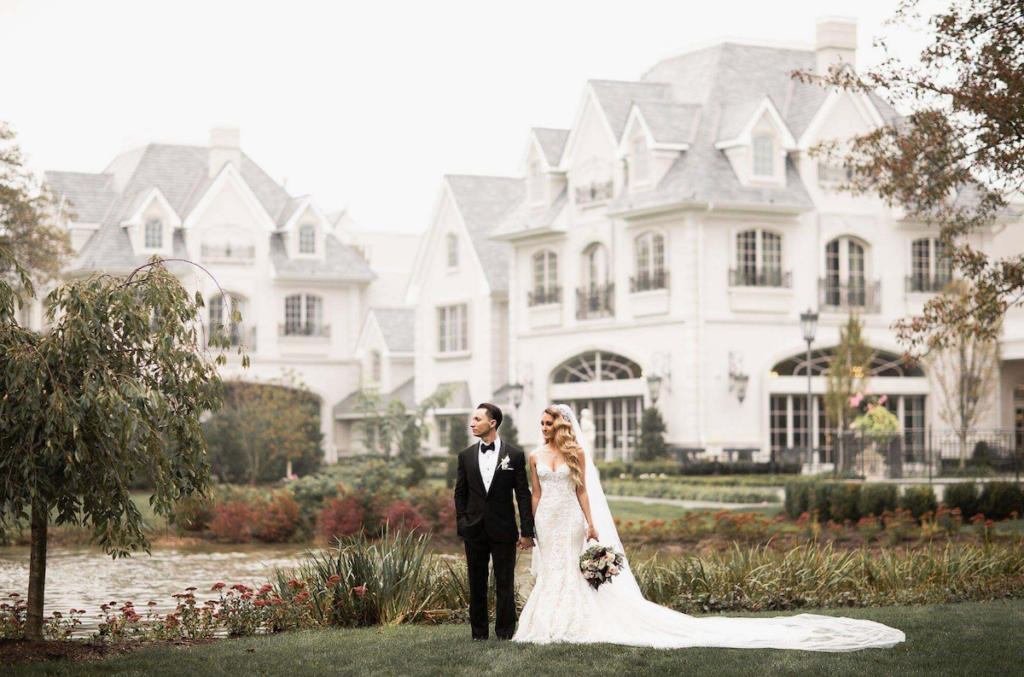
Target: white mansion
x=314, y=290
x=662, y=249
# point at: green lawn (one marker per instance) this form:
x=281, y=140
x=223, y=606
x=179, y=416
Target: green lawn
x=957, y=639
x=633, y=510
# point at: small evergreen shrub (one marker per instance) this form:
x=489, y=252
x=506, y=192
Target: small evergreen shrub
x=876, y=498
x=919, y=500
x=999, y=499
x=963, y=495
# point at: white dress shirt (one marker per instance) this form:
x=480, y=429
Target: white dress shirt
x=488, y=462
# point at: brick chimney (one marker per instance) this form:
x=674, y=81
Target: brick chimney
x=837, y=40
x=224, y=148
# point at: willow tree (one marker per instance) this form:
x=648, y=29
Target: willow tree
x=111, y=393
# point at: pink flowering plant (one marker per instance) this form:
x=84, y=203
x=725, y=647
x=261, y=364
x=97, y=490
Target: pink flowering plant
x=872, y=417
x=599, y=564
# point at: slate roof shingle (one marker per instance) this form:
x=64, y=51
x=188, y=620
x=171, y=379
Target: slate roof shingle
x=483, y=201
x=552, y=142
x=181, y=172
x=398, y=326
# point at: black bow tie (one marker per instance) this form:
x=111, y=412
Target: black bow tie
x=487, y=447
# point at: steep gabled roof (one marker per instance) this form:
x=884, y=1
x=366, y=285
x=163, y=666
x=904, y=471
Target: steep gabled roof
x=340, y=263
x=89, y=196
x=482, y=202
x=398, y=327
x=616, y=98
x=552, y=143
x=182, y=175
x=669, y=122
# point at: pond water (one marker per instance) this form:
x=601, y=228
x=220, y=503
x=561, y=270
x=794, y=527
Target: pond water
x=85, y=578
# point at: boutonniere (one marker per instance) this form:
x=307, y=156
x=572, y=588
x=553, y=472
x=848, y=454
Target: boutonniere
x=504, y=464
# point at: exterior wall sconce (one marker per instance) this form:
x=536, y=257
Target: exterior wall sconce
x=737, y=379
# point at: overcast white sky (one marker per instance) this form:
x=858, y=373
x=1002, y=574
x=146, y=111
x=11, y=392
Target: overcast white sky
x=363, y=104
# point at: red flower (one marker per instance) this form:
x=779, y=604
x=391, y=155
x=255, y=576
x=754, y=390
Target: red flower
x=359, y=590
x=217, y=586
x=334, y=579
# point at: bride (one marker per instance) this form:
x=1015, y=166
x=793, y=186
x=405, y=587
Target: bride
x=569, y=509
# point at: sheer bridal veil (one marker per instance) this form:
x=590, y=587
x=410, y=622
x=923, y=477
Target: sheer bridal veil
x=624, y=616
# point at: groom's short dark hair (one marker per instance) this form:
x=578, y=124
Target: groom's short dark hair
x=493, y=412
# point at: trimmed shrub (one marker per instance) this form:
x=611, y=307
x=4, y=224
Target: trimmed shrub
x=963, y=495
x=341, y=517
x=876, y=498
x=277, y=520
x=999, y=499
x=233, y=522
x=919, y=500
x=843, y=501
x=402, y=516
x=797, y=499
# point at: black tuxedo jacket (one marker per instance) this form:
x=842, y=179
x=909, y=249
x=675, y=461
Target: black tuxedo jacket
x=483, y=514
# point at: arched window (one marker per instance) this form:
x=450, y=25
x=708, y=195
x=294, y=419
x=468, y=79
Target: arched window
x=641, y=169
x=763, y=155
x=794, y=427
x=375, y=366
x=595, y=296
x=453, y=250
x=545, y=279
x=758, y=260
x=596, y=365
x=845, y=285
x=154, y=235
x=931, y=267
x=303, y=316
x=879, y=363
x=650, y=263
x=307, y=239
x=221, y=316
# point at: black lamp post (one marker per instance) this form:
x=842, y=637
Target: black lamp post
x=809, y=327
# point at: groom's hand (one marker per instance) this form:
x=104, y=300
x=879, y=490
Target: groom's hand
x=525, y=543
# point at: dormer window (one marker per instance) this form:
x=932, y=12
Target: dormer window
x=763, y=154
x=453, y=250
x=536, y=183
x=375, y=366
x=307, y=239
x=154, y=234
x=640, y=160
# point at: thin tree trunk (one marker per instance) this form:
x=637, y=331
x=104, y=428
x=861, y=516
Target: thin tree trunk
x=36, y=573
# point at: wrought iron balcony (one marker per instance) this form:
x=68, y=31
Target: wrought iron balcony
x=304, y=330
x=595, y=301
x=544, y=296
x=648, y=281
x=228, y=252
x=845, y=296
x=598, y=191
x=927, y=283
x=771, y=277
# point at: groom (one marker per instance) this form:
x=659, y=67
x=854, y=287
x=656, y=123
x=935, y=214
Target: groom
x=489, y=471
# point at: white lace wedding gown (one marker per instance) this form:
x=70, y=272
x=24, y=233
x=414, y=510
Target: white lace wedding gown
x=563, y=608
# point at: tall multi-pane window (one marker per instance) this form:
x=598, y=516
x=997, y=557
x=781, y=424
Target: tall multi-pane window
x=758, y=259
x=303, y=315
x=650, y=262
x=453, y=250
x=375, y=366
x=452, y=334
x=641, y=168
x=307, y=239
x=545, y=278
x=931, y=267
x=154, y=234
x=779, y=425
x=763, y=152
x=801, y=422
x=595, y=266
x=845, y=273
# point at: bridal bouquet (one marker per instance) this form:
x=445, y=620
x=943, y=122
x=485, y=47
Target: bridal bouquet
x=599, y=563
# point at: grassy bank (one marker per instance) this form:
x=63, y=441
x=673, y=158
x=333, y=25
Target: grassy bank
x=977, y=639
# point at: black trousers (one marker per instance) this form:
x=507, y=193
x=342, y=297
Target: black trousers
x=478, y=552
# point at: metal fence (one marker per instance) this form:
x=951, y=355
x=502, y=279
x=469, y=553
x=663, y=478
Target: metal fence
x=916, y=452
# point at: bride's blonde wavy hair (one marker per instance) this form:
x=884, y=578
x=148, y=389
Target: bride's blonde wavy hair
x=564, y=440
